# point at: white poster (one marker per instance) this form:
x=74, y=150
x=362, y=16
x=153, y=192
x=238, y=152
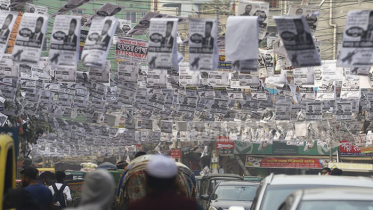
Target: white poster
x=64, y=42
x=314, y=111
x=162, y=44
x=7, y=68
x=4, y=4
x=298, y=41
x=128, y=71
x=7, y=19
x=357, y=40
x=98, y=41
x=255, y=8
x=100, y=75
x=309, y=12
x=343, y=111
x=30, y=38
x=32, y=8
x=203, y=51
x=304, y=76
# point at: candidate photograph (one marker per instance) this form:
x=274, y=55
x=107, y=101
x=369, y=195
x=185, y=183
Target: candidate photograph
x=71, y=38
x=38, y=36
x=5, y=30
x=367, y=35
x=302, y=37
x=208, y=40
x=248, y=9
x=104, y=38
x=168, y=40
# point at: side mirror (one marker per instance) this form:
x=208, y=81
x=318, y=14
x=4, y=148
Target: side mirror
x=236, y=208
x=214, y=196
x=205, y=197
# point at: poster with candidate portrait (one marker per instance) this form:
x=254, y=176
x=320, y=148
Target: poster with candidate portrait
x=32, y=8
x=309, y=12
x=7, y=20
x=203, y=50
x=98, y=41
x=30, y=38
x=162, y=44
x=343, y=110
x=314, y=111
x=70, y=5
x=255, y=8
x=64, y=42
x=357, y=40
x=298, y=41
x=4, y=4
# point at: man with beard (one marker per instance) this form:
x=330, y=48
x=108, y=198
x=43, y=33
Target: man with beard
x=248, y=9
x=5, y=31
x=104, y=39
x=71, y=38
x=38, y=36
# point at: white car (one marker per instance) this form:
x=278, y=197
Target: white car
x=329, y=199
x=274, y=189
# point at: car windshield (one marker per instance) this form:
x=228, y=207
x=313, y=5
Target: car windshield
x=235, y=193
x=276, y=194
x=336, y=205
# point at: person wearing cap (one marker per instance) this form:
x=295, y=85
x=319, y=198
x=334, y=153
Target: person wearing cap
x=161, y=173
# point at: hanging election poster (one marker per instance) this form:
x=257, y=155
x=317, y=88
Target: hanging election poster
x=162, y=44
x=64, y=42
x=132, y=50
x=357, y=40
x=7, y=19
x=30, y=38
x=32, y=8
x=203, y=50
x=298, y=41
x=309, y=12
x=71, y=4
x=4, y=4
x=98, y=41
x=255, y=8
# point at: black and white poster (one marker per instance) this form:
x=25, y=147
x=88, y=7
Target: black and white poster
x=307, y=93
x=309, y=12
x=99, y=41
x=255, y=8
x=100, y=75
x=65, y=41
x=283, y=111
x=203, y=51
x=357, y=40
x=7, y=68
x=298, y=41
x=268, y=57
x=30, y=38
x=65, y=74
x=43, y=70
x=106, y=10
x=70, y=5
x=32, y=8
x=326, y=92
x=314, y=111
x=7, y=19
x=304, y=76
x=162, y=51
x=4, y=4
x=128, y=71
x=343, y=111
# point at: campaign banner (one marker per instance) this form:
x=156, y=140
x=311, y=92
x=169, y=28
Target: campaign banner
x=222, y=64
x=224, y=146
x=285, y=162
x=203, y=51
x=8, y=20
x=357, y=40
x=132, y=50
x=175, y=153
x=98, y=41
x=65, y=40
x=30, y=38
x=348, y=149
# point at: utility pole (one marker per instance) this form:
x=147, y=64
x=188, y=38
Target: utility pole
x=217, y=16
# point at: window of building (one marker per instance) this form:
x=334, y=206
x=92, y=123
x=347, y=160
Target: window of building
x=273, y=3
x=133, y=17
x=77, y=11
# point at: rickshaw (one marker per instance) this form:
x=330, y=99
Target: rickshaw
x=133, y=187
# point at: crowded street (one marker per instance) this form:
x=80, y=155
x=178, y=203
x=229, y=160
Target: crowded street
x=186, y=104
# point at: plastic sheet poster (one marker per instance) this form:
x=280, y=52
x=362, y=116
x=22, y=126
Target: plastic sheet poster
x=4, y=4
x=309, y=12
x=32, y=8
x=255, y=8
x=298, y=41
x=106, y=10
x=314, y=111
x=65, y=41
x=100, y=75
x=7, y=20
x=162, y=51
x=203, y=51
x=7, y=68
x=70, y=5
x=357, y=40
x=343, y=111
x=30, y=38
x=132, y=50
x=98, y=41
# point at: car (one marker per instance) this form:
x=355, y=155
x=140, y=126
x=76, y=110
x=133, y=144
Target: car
x=232, y=193
x=208, y=184
x=328, y=199
x=275, y=188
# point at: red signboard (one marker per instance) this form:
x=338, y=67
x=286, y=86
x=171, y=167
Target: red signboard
x=223, y=142
x=175, y=153
x=285, y=162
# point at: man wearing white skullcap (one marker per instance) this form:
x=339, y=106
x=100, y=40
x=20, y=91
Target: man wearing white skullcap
x=161, y=173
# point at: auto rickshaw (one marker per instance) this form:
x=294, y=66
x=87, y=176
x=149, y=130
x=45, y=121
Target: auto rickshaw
x=133, y=187
x=7, y=166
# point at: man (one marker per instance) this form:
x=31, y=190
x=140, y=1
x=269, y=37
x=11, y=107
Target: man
x=38, y=191
x=339, y=111
x=38, y=36
x=310, y=109
x=326, y=171
x=168, y=40
x=163, y=191
x=208, y=41
x=302, y=37
x=61, y=189
x=299, y=11
x=367, y=35
x=104, y=39
x=71, y=38
x=5, y=31
x=248, y=9
x=337, y=172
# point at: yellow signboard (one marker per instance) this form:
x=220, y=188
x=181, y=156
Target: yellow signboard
x=351, y=166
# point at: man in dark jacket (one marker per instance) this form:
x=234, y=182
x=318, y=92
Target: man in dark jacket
x=302, y=37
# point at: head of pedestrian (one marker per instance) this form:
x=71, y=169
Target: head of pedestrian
x=337, y=172
x=98, y=190
x=161, y=173
x=138, y=154
x=29, y=176
x=326, y=171
x=122, y=164
x=60, y=177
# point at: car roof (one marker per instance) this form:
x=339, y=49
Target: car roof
x=351, y=193
x=238, y=183
x=222, y=176
x=320, y=180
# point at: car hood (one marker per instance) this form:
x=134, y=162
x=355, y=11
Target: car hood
x=224, y=204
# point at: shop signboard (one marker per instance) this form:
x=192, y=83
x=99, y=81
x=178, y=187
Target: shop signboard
x=241, y=147
x=175, y=153
x=315, y=149
x=224, y=146
x=347, y=149
x=351, y=166
x=285, y=162
x=280, y=148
